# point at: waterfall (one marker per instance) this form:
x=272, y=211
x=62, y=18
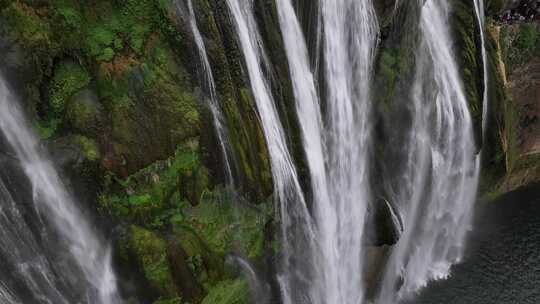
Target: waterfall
x=436, y=190
x=337, y=158
x=310, y=120
x=479, y=11
x=213, y=97
x=55, y=206
x=297, y=232
x=350, y=36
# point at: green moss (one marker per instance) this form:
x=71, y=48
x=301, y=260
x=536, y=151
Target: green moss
x=129, y=24
x=527, y=38
x=389, y=69
x=153, y=195
x=176, y=300
x=465, y=26
x=89, y=148
x=226, y=226
x=228, y=292
x=150, y=252
x=31, y=29
x=68, y=78
x=47, y=129
x=519, y=43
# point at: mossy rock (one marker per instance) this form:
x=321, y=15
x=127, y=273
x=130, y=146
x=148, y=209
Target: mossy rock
x=84, y=113
x=89, y=148
x=204, y=262
x=28, y=25
x=150, y=253
x=226, y=226
x=154, y=194
x=69, y=78
x=152, y=107
x=228, y=292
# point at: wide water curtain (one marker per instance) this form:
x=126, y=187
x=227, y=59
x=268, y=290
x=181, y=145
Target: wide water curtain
x=335, y=144
x=78, y=257
x=438, y=182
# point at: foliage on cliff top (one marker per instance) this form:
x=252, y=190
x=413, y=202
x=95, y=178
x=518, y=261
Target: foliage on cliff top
x=519, y=44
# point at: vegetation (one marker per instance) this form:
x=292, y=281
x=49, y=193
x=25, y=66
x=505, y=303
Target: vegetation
x=519, y=44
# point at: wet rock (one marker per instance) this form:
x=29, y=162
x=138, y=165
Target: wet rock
x=384, y=225
x=375, y=259
x=385, y=9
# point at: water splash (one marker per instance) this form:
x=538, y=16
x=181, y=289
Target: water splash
x=55, y=205
x=438, y=184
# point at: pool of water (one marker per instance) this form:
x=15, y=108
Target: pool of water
x=503, y=262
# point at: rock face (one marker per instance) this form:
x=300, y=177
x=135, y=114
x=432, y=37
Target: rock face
x=515, y=53
x=524, y=87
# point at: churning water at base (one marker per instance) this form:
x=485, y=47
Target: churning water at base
x=503, y=259
x=437, y=186
x=54, y=256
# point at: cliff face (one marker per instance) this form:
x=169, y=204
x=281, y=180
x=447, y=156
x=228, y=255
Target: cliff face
x=513, y=140
x=115, y=90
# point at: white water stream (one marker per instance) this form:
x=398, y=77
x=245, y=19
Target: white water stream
x=297, y=232
x=437, y=188
x=213, y=96
x=480, y=17
x=55, y=205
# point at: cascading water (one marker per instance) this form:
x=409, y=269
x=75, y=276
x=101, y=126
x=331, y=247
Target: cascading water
x=479, y=11
x=297, y=227
x=85, y=265
x=436, y=190
x=213, y=97
x=349, y=40
x=310, y=119
x=437, y=184
x=337, y=159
